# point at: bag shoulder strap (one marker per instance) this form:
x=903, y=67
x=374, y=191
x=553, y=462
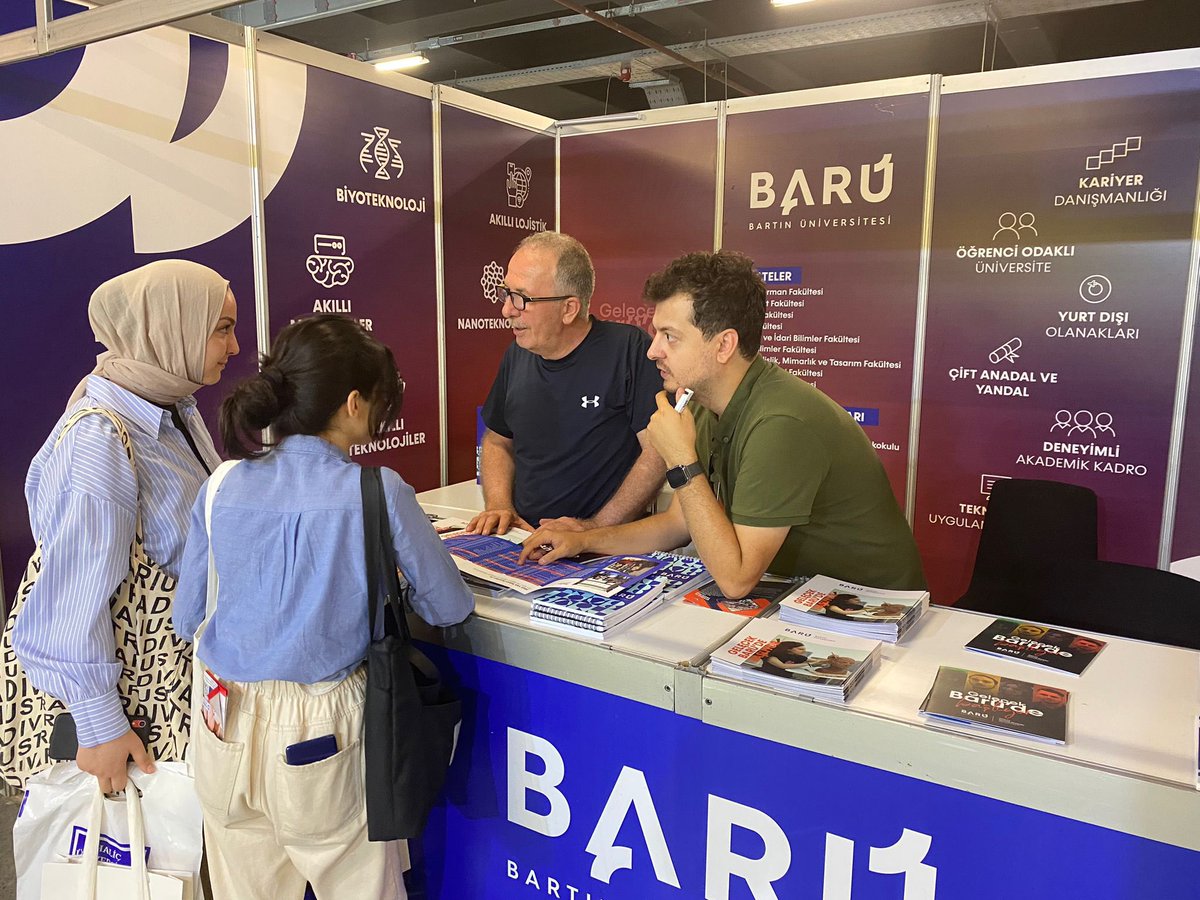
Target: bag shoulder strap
x=210, y=492
x=384, y=585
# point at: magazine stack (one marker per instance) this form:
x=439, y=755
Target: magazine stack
x=848, y=608
x=797, y=659
x=592, y=616
x=998, y=704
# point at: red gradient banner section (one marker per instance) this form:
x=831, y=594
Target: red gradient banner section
x=497, y=188
x=1061, y=248
x=827, y=200
x=350, y=231
x=637, y=198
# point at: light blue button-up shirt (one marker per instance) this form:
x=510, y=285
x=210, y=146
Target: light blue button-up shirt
x=292, y=584
x=82, y=500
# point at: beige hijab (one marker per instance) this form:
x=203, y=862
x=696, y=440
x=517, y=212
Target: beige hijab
x=155, y=322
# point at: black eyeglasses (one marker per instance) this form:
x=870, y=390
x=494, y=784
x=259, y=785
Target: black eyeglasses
x=519, y=300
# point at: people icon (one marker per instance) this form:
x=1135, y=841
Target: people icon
x=1082, y=422
x=1104, y=422
x=1025, y=223
x=1062, y=419
x=1007, y=223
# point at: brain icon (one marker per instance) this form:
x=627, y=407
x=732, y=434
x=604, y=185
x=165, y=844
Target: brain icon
x=493, y=275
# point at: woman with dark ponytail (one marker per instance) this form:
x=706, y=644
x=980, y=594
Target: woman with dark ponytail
x=279, y=765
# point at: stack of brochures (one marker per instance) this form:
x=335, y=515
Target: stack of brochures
x=849, y=608
x=997, y=704
x=1042, y=645
x=592, y=616
x=681, y=574
x=796, y=659
x=495, y=560
x=760, y=598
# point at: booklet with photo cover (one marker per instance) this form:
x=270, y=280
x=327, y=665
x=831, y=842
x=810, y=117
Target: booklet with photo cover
x=768, y=590
x=1043, y=645
x=494, y=559
x=998, y=704
x=796, y=659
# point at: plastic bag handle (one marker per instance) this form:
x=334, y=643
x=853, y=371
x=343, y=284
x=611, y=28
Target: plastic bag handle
x=137, y=844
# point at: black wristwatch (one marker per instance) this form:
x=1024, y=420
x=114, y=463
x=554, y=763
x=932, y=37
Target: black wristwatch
x=681, y=475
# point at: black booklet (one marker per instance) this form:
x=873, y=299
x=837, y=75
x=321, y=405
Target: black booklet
x=1043, y=645
x=998, y=704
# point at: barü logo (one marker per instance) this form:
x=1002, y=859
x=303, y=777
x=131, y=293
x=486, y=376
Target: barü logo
x=517, y=185
x=630, y=813
x=381, y=153
x=836, y=183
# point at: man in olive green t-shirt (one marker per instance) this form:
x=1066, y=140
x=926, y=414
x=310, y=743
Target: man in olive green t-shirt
x=769, y=473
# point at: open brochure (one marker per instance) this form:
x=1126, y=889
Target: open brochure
x=1043, y=645
x=796, y=659
x=999, y=704
x=494, y=559
x=580, y=611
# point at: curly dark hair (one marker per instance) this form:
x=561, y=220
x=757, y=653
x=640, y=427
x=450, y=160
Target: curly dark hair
x=726, y=292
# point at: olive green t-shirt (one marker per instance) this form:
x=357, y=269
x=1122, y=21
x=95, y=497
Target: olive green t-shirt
x=783, y=453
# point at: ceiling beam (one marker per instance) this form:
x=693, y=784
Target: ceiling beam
x=924, y=19
x=268, y=14
x=99, y=23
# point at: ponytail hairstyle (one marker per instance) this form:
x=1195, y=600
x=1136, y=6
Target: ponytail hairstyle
x=313, y=366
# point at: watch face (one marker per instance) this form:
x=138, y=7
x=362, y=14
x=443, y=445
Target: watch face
x=677, y=477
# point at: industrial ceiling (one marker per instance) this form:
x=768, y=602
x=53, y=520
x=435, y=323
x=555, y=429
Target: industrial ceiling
x=569, y=58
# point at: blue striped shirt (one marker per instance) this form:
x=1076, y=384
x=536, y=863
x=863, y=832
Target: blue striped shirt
x=292, y=584
x=82, y=500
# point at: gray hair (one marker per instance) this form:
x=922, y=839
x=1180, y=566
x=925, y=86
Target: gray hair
x=573, y=272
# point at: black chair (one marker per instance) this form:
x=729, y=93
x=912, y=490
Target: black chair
x=1030, y=528
x=1112, y=598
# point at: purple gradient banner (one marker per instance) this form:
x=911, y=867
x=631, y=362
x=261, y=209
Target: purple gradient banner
x=497, y=188
x=827, y=200
x=638, y=198
x=1061, y=243
x=1185, y=548
x=350, y=231
x=102, y=214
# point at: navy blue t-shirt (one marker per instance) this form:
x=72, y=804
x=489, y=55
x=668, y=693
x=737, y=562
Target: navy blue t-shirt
x=574, y=421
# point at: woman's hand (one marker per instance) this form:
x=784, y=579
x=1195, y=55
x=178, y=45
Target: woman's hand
x=109, y=761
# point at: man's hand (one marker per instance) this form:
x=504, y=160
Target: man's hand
x=109, y=761
x=546, y=545
x=496, y=521
x=566, y=523
x=672, y=434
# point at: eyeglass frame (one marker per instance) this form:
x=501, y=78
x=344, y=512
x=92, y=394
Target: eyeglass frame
x=510, y=293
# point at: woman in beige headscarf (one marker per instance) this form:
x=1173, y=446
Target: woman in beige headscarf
x=94, y=629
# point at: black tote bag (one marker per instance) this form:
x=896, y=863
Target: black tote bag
x=411, y=718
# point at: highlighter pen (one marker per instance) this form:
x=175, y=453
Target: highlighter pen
x=683, y=399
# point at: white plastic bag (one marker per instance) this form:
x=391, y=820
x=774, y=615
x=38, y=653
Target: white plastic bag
x=55, y=814
x=88, y=879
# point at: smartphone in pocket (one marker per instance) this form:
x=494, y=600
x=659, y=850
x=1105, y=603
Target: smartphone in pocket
x=311, y=751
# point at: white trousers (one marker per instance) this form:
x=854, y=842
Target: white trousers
x=268, y=826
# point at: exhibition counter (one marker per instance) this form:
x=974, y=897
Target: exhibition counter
x=657, y=735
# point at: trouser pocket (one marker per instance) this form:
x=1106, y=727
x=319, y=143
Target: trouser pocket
x=314, y=803
x=218, y=767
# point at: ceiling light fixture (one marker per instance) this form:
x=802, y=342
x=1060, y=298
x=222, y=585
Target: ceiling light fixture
x=788, y=2
x=596, y=120
x=396, y=63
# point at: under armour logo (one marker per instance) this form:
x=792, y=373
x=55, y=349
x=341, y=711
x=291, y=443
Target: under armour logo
x=594, y=402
